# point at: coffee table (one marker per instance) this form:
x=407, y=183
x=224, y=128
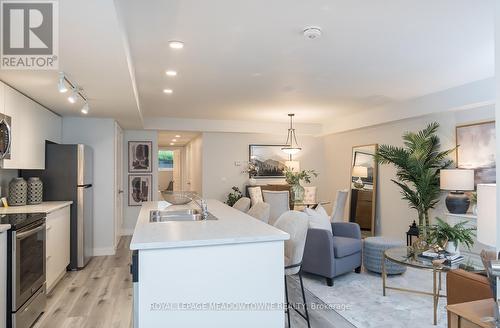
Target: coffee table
x=403, y=256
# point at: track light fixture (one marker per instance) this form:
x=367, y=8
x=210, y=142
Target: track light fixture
x=74, y=96
x=85, y=109
x=62, y=84
x=77, y=92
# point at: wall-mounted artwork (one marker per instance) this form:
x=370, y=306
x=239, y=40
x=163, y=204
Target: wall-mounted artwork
x=139, y=156
x=476, y=150
x=268, y=161
x=139, y=189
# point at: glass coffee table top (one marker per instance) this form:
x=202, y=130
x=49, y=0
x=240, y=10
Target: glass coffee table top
x=401, y=255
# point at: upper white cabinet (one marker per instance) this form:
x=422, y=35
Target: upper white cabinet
x=32, y=125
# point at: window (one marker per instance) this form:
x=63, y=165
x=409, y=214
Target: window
x=165, y=160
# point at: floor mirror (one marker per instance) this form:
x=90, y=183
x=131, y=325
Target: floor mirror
x=363, y=187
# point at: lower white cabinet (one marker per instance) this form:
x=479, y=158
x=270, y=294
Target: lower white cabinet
x=3, y=278
x=58, y=245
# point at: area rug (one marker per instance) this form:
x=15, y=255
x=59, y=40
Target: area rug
x=358, y=298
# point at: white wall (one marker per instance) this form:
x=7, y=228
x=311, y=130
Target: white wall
x=99, y=134
x=222, y=150
x=393, y=214
x=130, y=213
x=194, y=157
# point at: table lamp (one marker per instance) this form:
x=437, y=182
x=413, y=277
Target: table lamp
x=359, y=172
x=457, y=181
x=487, y=235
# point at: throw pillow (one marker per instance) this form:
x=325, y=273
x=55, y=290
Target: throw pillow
x=318, y=218
x=255, y=195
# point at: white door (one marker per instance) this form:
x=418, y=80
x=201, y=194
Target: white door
x=176, y=176
x=118, y=183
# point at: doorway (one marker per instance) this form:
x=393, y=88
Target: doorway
x=175, y=160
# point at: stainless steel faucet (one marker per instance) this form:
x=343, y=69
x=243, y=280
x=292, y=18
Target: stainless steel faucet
x=202, y=204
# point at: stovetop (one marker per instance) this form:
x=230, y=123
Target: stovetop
x=17, y=221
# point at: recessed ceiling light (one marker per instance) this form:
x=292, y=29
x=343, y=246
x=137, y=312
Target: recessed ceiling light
x=177, y=136
x=176, y=44
x=171, y=73
x=172, y=144
x=174, y=140
x=168, y=91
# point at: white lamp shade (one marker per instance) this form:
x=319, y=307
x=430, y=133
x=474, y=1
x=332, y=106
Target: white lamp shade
x=293, y=165
x=457, y=179
x=487, y=214
x=360, y=172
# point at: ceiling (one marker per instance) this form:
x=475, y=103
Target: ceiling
x=248, y=60
x=182, y=138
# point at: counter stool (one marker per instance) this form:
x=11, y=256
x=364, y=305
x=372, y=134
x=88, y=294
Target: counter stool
x=295, y=224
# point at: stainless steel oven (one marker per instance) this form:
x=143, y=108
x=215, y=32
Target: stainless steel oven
x=26, y=269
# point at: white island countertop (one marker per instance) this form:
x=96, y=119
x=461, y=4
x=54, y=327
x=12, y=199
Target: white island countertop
x=44, y=207
x=4, y=227
x=232, y=227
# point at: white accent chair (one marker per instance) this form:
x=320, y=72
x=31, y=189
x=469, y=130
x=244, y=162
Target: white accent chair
x=260, y=211
x=296, y=225
x=310, y=195
x=242, y=204
x=339, y=206
x=279, y=202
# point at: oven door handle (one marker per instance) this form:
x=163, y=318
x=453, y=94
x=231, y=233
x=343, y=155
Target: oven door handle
x=30, y=232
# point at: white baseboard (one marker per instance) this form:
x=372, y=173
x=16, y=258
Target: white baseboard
x=104, y=251
x=127, y=232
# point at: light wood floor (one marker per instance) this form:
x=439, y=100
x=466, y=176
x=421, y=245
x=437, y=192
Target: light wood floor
x=101, y=296
x=98, y=296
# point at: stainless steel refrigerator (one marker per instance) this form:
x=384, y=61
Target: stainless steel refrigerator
x=68, y=176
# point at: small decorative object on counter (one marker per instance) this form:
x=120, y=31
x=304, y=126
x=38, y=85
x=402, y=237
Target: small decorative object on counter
x=35, y=191
x=17, y=192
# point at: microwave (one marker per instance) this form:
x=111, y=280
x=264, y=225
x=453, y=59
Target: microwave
x=5, y=136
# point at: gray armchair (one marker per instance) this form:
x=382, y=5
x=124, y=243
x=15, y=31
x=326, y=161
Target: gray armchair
x=330, y=255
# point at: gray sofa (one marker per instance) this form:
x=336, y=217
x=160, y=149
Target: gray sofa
x=330, y=255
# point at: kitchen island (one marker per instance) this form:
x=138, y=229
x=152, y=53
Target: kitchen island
x=226, y=272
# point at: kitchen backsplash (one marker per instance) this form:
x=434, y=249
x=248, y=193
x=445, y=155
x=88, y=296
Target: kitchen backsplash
x=5, y=177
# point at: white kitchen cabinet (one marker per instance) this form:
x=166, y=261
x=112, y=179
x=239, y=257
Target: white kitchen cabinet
x=3, y=278
x=57, y=255
x=32, y=125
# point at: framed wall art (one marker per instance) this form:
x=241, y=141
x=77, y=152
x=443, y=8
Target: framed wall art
x=139, y=189
x=140, y=156
x=476, y=150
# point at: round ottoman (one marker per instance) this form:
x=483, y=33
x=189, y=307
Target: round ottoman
x=373, y=250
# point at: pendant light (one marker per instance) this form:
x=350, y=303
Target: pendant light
x=292, y=146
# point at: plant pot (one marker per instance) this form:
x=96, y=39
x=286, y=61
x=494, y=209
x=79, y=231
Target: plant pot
x=452, y=247
x=297, y=193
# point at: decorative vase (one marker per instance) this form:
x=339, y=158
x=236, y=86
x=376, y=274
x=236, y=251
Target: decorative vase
x=297, y=193
x=252, y=181
x=452, y=247
x=474, y=209
x=17, y=192
x=35, y=191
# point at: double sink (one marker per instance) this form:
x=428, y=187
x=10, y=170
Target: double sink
x=178, y=215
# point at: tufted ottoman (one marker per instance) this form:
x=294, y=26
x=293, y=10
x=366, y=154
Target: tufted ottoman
x=373, y=250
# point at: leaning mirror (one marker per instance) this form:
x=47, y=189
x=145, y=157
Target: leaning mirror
x=363, y=182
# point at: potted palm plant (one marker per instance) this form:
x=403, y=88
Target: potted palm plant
x=418, y=164
x=450, y=237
